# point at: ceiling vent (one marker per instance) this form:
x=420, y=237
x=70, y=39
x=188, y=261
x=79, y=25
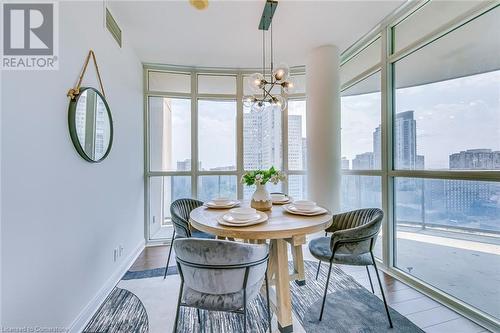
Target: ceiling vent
x=113, y=27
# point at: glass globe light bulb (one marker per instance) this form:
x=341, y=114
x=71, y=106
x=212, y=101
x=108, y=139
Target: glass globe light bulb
x=281, y=102
x=255, y=82
x=281, y=73
x=248, y=101
x=258, y=107
x=288, y=87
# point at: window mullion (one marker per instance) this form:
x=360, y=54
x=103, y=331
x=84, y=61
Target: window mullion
x=239, y=134
x=194, y=135
x=284, y=144
x=387, y=149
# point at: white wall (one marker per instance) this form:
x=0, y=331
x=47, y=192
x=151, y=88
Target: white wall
x=1, y=112
x=62, y=216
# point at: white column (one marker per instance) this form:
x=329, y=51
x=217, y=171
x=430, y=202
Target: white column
x=323, y=126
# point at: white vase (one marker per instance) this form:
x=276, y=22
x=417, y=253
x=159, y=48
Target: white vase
x=261, y=199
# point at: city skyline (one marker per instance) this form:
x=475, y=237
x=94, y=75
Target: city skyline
x=451, y=117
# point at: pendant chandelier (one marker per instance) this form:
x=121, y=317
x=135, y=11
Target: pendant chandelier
x=261, y=85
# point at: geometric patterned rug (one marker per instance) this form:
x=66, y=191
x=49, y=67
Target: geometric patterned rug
x=122, y=311
x=349, y=308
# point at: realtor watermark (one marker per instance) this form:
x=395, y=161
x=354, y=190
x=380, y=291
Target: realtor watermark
x=34, y=329
x=30, y=36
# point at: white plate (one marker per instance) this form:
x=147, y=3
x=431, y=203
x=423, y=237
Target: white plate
x=231, y=219
x=282, y=202
x=262, y=218
x=232, y=204
x=294, y=210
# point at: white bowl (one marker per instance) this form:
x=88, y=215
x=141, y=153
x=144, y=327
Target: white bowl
x=304, y=204
x=278, y=197
x=243, y=213
x=221, y=201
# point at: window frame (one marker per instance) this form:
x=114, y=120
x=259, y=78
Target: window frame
x=195, y=97
x=388, y=173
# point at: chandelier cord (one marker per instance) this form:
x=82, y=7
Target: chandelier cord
x=260, y=81
x=264, y=56
x=272, y=57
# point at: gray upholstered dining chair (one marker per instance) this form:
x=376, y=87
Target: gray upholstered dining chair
x=353, y=237
x=220, y=275
x=180, y=210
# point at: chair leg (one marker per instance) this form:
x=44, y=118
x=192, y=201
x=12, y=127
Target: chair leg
x=178, y=308
x=169, y=253
x=319, y=262
x=268, y=305
x=326, y=291
x=381, y=290
x=370, y=278
x=245, y=320
x=317, y=272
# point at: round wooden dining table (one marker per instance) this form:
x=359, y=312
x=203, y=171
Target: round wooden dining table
x=280, y=230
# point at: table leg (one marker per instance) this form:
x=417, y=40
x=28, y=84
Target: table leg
x=298, y=264
x=224, y=238
x=271, y=267
x=283, y=301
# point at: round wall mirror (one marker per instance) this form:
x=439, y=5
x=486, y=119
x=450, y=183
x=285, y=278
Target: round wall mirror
x=90, y=125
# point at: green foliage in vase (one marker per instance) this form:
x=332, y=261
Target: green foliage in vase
x=261, y=177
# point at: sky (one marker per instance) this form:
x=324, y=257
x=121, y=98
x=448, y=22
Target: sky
x=216, y=130
x=217, y=133
x=451, y=115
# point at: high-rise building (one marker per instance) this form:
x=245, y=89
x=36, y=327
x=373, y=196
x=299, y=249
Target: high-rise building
x=101, y=132
x=80, y=117
x=160, y=133
x=475, y=159
x=466, y=196
x=262, y=139
x=295, y=145
x=345, y=163
x=405, y=146
x=91, y=116
x=304, y=153
x=377, y=147
x=363, y=161
x=405, y=142
x=463, y=196
x=184, y=165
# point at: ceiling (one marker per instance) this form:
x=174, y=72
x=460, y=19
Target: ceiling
x=226, y=34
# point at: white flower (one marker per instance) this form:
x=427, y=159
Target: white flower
x=281, y=176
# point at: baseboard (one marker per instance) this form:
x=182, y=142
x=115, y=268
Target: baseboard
x=84, y=317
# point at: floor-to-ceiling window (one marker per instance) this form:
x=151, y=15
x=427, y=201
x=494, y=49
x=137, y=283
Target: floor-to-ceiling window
x=421, y=139
x=446, y=127
x=200, y=139
x=361, y=133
